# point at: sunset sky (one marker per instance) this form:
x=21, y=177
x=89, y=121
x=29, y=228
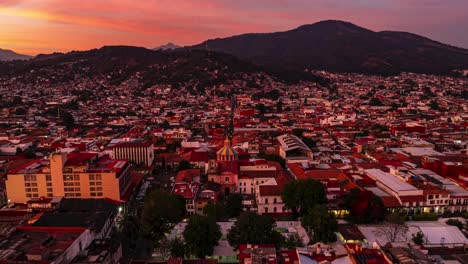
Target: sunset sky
x=44, y=26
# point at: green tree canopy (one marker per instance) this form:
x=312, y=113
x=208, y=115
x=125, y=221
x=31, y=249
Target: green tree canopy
x=364, y=207
x=251, y=228
x=67, y=119
x=233, y=205
x=201, y=235
x=375, y=102
x=293, y=241
x=302, y=195
x=216, y=211
x=161, y=211
x=273, y=157
x=184, y=165
x=418, y=238
x=321, y=223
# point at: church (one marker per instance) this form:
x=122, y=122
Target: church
x=225, y=169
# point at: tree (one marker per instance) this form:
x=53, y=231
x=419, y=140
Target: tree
x=42, y=124
x=18, y=151
x=184, y=165
x=293, y=241
x=364, y=207
x=393, y=228
x=302, y=195
x=178, y=248
x=455, y=222
x=161, y=211
x=309, y=142
x=261, y=109
x=298, y=132
x=67, y=119
x=233, y=205
x=321, y=223
x=279, y=106
x=251, y=228
x=30, y=153
x=20, y=111
x=216, y=211
x=273, y=157
x=418, y=238
x=201, y=235
x=130, y=229
x=434, y=105
x=375, y=102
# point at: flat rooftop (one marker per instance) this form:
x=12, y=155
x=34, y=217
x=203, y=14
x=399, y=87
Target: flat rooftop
x=389, y=180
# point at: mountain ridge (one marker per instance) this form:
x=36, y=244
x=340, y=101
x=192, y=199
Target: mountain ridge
x=9, y=55
x=342, y=47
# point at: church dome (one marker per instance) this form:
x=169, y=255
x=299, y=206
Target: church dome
x=227, y=152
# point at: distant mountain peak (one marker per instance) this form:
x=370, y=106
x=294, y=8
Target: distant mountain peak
x=168, y=46
x=9, y=55
x=332, y=25
x=341, y=46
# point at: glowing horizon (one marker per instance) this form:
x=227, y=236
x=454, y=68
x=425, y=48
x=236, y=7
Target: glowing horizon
x=45, y=26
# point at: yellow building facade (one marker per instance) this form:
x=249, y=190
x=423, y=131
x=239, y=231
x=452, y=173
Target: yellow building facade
x=74, y=175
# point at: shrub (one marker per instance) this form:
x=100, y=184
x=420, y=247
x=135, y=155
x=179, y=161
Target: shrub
x=418, y=238
x=425, y=217
x=455, y=222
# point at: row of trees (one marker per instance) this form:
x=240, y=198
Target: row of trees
x=202, y=234
x=229, y=207
x=307, y=199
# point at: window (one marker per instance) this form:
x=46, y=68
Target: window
x=91, y=177
x=227, y=179
x=98, y=183
x=431, y=197
x=49, y=189
x=98, y=177
x=266, y=209
x=92, y=183
x=266, y=200
x=274, y=209
x=48, y=177
x=48, y=184
x=50, y=195
x=274, y=200
x=30, y=178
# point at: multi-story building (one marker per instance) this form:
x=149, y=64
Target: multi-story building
x=139, y=152
x=268, y=198
x=293, y=149
x=80, y=175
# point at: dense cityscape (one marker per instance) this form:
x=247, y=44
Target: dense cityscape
x=134, y=173
x=326, y=144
